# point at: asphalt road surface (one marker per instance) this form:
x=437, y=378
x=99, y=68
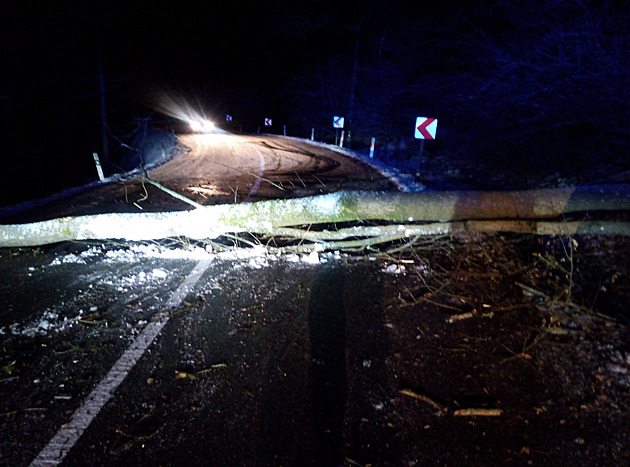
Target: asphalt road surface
x=135, y=354
x=222, y=166
x=222, y=169
x=140, y=355
x=159, y=353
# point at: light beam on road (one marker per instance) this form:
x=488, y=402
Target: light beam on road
x=181, y=109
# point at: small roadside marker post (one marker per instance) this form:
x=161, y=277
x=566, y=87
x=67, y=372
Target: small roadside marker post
x=284, y=129
x=312, y=134
x=343, y=133
x=338, y=123
x=99, y=169
x=372, y=147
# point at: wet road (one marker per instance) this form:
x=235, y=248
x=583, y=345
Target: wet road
x=142, y=355
x=138, y=354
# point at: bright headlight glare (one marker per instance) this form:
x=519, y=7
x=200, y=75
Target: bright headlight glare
x=201, y=126
x=179, y=108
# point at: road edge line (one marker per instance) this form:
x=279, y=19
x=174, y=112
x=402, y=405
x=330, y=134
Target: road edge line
x=68, y=434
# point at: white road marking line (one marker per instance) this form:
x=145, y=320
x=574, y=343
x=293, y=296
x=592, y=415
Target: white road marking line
x=67, y=436
x=261, y=172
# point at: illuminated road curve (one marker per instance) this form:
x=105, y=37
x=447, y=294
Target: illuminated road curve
x=223, y=167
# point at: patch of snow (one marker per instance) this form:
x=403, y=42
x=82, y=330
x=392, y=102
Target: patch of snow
x=156, y=251
x=123, y=284
x=49, y=321
x=67, y=259
x=258, y=262
x=133, y=254
x=160, y=274
x=77, y=258
x=244, y=253
x=257, y=256
x=311, y=258
x=394, y=269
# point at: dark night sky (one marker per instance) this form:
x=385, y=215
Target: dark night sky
x=495, y=73
x=212, y=51
x=55, y=47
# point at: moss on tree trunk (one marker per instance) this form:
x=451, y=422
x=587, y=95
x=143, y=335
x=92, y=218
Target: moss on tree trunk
x=538, y=211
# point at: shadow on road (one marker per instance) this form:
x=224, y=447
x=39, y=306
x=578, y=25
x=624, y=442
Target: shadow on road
x=327, y=372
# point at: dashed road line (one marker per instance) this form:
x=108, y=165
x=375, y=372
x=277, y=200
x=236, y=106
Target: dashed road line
x=67, y=436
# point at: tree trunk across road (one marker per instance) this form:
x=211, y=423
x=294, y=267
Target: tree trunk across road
x=539, y=211
x=276, y=186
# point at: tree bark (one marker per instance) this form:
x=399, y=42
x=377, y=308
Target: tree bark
x=537, y=211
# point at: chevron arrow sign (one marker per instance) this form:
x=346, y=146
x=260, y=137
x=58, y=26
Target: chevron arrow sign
x=426, y=128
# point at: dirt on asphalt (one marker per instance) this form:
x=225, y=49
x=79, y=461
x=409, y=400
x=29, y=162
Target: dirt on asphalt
x=473, y=350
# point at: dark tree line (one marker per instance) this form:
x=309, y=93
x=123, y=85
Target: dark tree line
x=508, y=79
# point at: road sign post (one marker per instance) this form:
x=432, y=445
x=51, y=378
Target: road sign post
x=337, y=124
x=426, y=128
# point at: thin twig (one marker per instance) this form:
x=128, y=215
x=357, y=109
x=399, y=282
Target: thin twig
x=300, y=179
x=279, y=187
x=174, y=194
x=477, y=412
x=423, y=398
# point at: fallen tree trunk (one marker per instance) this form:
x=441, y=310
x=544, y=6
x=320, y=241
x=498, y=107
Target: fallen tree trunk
x=448, y=212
